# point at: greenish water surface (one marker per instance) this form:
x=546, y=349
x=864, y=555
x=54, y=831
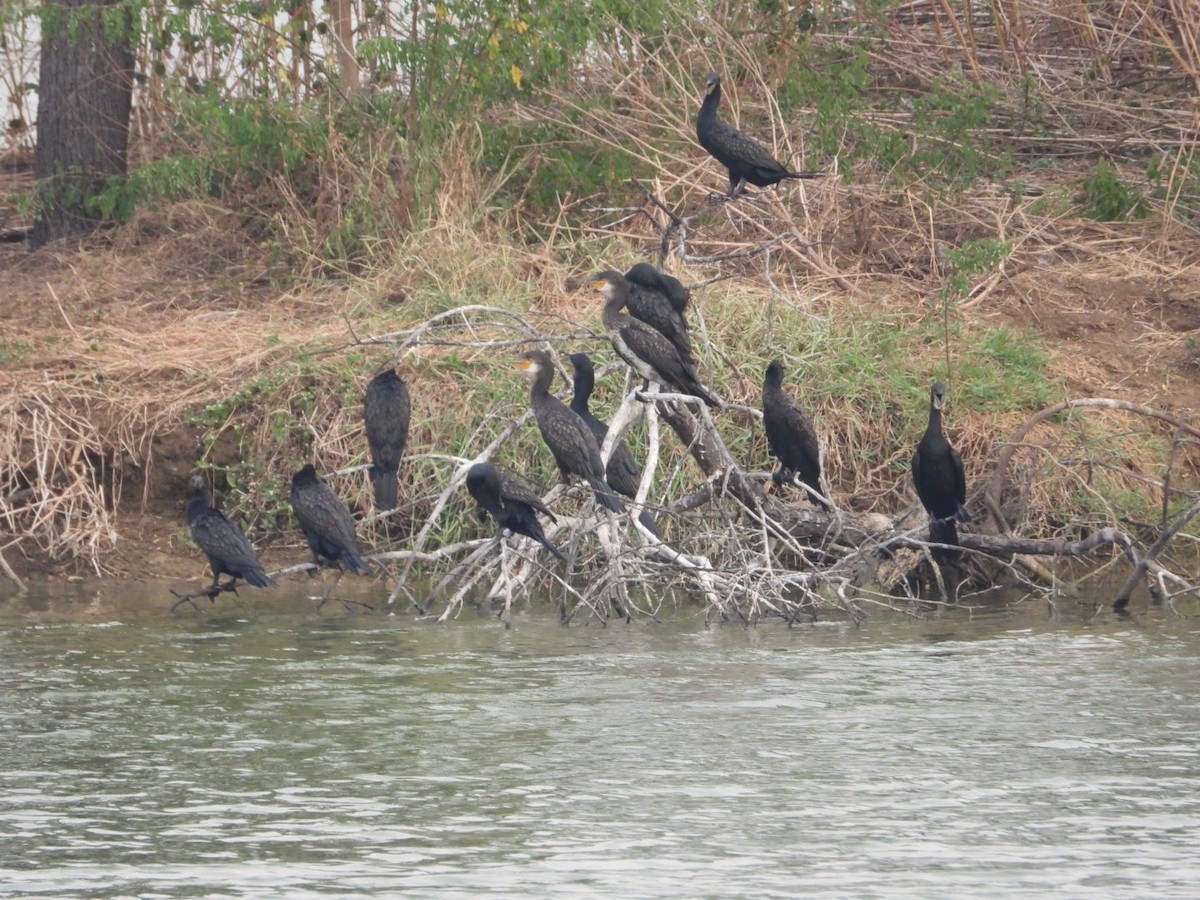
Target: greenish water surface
x=254, y=752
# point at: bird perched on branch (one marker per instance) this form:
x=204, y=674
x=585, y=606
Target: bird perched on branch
x=746, y=159
x=622, y=472
x=646, y=349
x=659, y=300
x=228, y=551
x=937, y=471
x=386, y=415
x=326, y=522
x=569, y=438
x=790, y=435
x=510, y=502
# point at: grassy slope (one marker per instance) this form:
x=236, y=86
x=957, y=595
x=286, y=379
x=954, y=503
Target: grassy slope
x=184, y=338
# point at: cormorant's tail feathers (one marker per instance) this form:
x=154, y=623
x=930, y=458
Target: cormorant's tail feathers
x=649, y=523
x=258, y=578
x=604, y=495
x=356, y=565
x=386, y=487
x=943, y=531
x=541, y=539
x=704, y=394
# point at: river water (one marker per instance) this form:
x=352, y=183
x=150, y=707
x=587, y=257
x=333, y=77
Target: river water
x=251, y=752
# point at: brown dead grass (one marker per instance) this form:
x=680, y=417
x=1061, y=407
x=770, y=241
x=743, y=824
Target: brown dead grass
x=127, y=333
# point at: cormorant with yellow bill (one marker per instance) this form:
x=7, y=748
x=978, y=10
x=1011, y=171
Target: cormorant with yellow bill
x=646, y=349
x=569, y=438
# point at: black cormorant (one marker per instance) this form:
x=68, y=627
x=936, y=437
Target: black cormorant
x=790, y=435
x=646, y=349
x=938, y=475
x=746, y=159
x=510, y=502
x=564, y=432
x=228, y=551
x=622, y=472
x=386, y=413
x=659, y=300
x=326, y=521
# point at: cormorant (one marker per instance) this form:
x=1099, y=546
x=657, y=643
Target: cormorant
x=228, y=551
x=564, y=432
x=746, y=159
x=622, y=472
x=510, y=502
x=659, y=300
x=790, y=435
x=326, y=522
x=386, y=414
x=646, y=350
x=937, y=471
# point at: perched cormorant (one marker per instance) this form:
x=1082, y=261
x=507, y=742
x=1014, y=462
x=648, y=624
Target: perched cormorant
x=510, y=502
x=564, y=432
x=228, y=551
x=622, y=472
x=386, y=413
x=326, y=521
x=646, y=349
x=790, y=435
x=659, y=300
x=937, y=471
x=746, y=159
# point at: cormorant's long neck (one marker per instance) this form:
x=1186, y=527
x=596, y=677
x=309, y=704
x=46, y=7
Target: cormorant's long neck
x=196, y=505
x=708, y=108
x=584, y=381
x=541, y=382
x=772, y=384
x=935, y=419
x=612, y=315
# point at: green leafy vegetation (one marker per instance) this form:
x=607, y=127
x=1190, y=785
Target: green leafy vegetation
x=969, y=262
x=1106, y=198
x=481, y=160
x=938, y=136
x=254, y=437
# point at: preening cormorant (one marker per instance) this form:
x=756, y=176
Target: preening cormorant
x=510, y=502
x=646, y=349
x=790, y=435
x=326, y=522
x=746, y=159
x=564, y=432
x=622, y=472
x=659, y=300
x=386, y=414
x=937, y=471
x=228, y=551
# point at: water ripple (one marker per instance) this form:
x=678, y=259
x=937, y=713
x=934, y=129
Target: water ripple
x=314, y=759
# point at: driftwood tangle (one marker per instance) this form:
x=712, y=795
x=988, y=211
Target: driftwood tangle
x=763, y=556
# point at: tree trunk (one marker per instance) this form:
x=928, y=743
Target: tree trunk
x=343, y=37
x=85, y=95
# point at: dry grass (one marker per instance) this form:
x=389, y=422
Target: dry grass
x=177, y=311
